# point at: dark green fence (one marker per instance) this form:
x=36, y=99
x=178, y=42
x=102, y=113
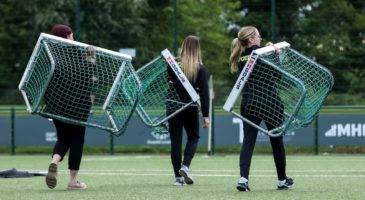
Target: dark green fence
x=12, y=112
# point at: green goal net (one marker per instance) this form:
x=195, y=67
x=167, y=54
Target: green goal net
x=80, y=84
x=285, y=89
x=165, y=91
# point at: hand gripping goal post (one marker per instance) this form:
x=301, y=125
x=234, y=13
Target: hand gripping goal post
x=80, y=84
x=285, y=89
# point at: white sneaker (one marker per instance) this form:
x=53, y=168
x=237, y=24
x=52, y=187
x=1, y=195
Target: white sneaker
x=285, y=184
x=179, y=181
x=184, y=172
x=242, y=185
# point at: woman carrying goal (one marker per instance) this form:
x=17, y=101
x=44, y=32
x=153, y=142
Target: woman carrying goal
x=194, y=70
x=68, y=95
x=260, y=102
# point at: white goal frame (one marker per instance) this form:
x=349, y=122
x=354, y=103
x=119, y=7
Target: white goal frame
x=29, y=67
x=32, y=107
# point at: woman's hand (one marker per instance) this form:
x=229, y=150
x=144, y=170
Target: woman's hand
x=277, y=50
x=206, y=122
x=269, y=44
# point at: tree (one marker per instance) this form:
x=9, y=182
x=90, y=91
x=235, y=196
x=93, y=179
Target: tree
x=207, y=19
x=210, y=21
x=20, y=26
x=111, y=24
x=115, y=24
x=103, y=24
x=332, y=33
x=158, y=29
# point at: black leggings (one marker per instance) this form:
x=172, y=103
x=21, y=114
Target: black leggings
x=249, y=140
x=189, y=120
x=71, y=137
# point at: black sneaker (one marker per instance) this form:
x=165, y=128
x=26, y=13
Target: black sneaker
x=288, y=183
x=243, y=187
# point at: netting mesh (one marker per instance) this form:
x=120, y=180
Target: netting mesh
x=80, y=84
x=286, y=90
x=162, y=94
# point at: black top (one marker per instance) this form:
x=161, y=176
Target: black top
x=200, y=86
x=260, y=93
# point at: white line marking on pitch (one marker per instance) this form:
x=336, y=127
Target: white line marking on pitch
x=219, y=170
x=223, y=175
x=203, y=170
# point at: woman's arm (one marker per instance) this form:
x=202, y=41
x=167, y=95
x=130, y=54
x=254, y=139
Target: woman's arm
x=203, y=92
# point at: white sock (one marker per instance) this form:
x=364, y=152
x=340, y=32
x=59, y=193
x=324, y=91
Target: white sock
x=243, y=180
x=281, y=182
x=185, y=167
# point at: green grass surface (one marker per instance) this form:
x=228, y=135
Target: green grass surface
x=151, y=177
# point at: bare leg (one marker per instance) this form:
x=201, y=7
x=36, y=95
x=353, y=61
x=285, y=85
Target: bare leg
x=73, y=176
x=56, y=159
x=74, y=184
x=51, y=178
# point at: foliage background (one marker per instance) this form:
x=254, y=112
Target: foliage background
x=330, y=32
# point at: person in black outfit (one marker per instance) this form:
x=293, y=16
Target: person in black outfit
x=68, y=96
x=194, y=70
x=260, y=102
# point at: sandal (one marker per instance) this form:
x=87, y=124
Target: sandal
x=78, y=186
x=51, y=178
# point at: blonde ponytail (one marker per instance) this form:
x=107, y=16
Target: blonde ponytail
x=236, y=50
x=239, y=44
